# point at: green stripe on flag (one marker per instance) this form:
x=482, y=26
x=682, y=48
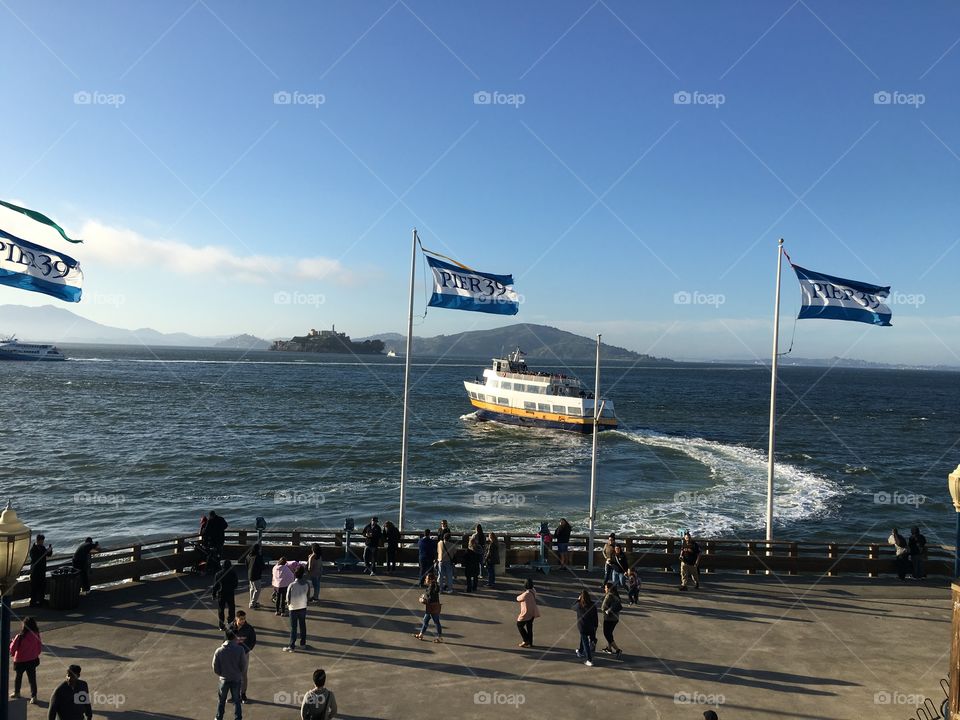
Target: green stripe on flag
x=40, y=218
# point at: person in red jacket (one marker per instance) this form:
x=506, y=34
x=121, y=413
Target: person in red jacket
x=25, y=650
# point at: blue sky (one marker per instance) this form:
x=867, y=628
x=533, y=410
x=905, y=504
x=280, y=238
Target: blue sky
x=159, y=132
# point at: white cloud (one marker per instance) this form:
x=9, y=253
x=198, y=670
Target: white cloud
x=126, y=248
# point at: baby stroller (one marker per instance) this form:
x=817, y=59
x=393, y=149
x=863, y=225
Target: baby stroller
x=207, y=559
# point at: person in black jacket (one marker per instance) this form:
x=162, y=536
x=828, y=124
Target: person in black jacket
x=562, y=537
x=587, y=625
x=214, y=532
x=392, y=536
x=255, y=567
x=224, y=590
x=248, y=639
x=372, y=532
x=917, y=544
x=38, y=571
x=611, y=609
x=81, y=561
x=491, y=558
x=71, y=699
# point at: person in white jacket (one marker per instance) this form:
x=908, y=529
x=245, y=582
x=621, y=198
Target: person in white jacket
x=299, y=593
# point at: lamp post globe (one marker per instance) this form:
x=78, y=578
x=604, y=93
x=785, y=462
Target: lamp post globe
x=14, y=546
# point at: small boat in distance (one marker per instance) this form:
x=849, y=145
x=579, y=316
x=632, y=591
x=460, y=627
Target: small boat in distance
x=13, y=349
x=511, y=393
x=391, y=353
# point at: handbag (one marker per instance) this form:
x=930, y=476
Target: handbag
x=424, y=598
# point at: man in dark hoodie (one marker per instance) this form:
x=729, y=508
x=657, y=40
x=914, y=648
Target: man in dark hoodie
x=81, y=561
x=38, y=570
x=248, y=640
x=71, y=699
x=214, y=532
x=224, y=590
x=255, y=567
x=372, y=533
x=229, y=665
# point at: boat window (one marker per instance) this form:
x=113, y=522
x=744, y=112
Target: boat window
x=506, y=385
x=529, y=406
x=559, y=409
x=573, y=411
x=503, y=401
x=543, y=406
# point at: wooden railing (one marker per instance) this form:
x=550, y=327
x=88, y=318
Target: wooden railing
x=646, y=553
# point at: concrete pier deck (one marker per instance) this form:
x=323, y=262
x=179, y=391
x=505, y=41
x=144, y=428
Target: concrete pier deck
x=748, y=646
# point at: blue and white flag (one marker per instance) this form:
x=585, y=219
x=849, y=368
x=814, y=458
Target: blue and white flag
x=29, y=266
x=460, y=289
x=832, y=298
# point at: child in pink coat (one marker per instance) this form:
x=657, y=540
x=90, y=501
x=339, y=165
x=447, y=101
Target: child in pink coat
x=25, y=650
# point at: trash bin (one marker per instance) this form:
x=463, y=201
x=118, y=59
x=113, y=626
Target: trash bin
x=64, y=588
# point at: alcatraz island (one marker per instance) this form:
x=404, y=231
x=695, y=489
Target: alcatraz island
x=328, y=341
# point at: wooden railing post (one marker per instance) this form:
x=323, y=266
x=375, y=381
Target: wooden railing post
x=794, y=557
x=295, y=538
x=179, y=549
x=751, y=552
x=242, y=537
x=671, y=554
x=832, y=555
x=137, y=556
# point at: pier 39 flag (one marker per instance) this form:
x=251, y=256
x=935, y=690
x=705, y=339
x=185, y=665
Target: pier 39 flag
x=29, y=266
x=460, y=289
x=832, y=298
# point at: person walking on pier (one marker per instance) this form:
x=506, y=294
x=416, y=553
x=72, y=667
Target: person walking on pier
x=427, y=555
x=225, y=591
x=446, y=551
x=609, y=550
x=229, y=664
x=315, y=570
x=561, y=535
x=25, y=650
x=255, y=567
x=471, y=564
x=248, y=639
x=689, y=562
x=372, y=533
x=38, y=571
x=298, y=597
x=918, y=549
x=491, y=558
x=282, y=576
x=633, y=586
x=611, y=609
x=319, y=703
x=430, y=600
x=81, y=561
x=620, y=566
x=587, y=626
x=71, y=699
x=902, y=551
x=528, y=613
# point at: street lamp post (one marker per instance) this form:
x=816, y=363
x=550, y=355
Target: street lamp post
x=953, y=482
x=14, y=546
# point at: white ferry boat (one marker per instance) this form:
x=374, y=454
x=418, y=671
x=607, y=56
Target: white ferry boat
x=510, y=392
x=13, y=349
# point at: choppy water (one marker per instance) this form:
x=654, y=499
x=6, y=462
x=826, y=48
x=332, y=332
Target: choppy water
x=131, y=442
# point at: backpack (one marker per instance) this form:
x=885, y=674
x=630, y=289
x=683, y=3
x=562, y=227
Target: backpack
x=319, y=710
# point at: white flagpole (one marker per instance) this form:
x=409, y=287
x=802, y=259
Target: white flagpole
x=406, y=384
x=597, y=409
x=773, y=395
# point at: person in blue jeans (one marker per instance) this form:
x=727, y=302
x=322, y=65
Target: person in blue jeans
x=229, y=663
x=298, y=597
x=491, y=558
x=587, y=625
x=431, y=609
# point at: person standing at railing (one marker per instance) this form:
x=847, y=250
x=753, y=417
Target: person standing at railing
x=392, y=538
x=224, y=589
x=918, y=549
x=315, y=570
x=609, y=550
x=491, y=558
x=427, y=555
x=372, y=534
x=282, y=576
x=902, y=551
x=214, y=533
x=562, y=536
x=255, y=566
x=38, y=570
x=471, y=564
x=689, y=562
x=446, y=553
x=81, y=561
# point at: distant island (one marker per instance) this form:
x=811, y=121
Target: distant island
x=244, y=342
x=328, y=341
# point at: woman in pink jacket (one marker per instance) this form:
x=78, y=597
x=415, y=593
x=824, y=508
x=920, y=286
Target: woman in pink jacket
x=25, y=649
x=283, y=577
x=528, y=612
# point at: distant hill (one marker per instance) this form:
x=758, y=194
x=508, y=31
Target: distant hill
x=244, y=342
x=539, y=342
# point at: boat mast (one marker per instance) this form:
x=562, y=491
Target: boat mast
x=406, y=385
x=597, y=409
x=773, y=395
